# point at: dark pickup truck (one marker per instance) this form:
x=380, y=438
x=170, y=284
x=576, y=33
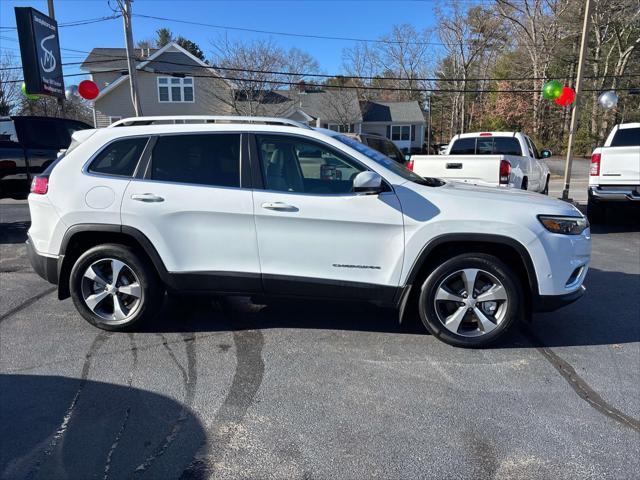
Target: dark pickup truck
x=28, y=145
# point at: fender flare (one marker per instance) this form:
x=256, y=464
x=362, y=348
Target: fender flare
x=474, y=237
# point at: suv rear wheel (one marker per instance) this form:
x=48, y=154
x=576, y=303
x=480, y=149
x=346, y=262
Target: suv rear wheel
x=113, y=288
x=470, y=300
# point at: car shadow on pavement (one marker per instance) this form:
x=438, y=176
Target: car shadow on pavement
x=606, y=315
x=57, y=427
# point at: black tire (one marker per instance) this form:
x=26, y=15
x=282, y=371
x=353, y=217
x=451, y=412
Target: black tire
x=151, y=291
x=595, y=212
x=545, y=191
x=509, y=310
x=525, y=183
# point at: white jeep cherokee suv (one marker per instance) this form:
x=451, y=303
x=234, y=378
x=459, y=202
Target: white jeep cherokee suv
x=264, y=206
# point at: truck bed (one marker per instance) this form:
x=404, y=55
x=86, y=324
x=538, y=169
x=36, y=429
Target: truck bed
x=476, y=169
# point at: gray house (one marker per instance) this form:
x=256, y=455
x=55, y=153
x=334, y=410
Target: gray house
x=401, y=122
x=172, y=81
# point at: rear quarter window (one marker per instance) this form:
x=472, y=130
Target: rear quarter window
x=463, y=146
x=120, y=157
x=626, y=137
x=506, y=146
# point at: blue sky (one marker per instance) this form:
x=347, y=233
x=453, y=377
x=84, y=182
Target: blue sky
x=361, y=19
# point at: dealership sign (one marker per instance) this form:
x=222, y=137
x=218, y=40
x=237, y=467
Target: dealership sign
x=40, y=52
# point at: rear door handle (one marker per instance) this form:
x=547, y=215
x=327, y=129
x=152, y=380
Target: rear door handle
x=280, y=207
x=147, y=197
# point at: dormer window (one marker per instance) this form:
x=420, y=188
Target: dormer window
x=175, y=90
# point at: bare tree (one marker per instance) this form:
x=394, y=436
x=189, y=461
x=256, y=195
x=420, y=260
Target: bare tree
x=10, y=73
x=257, y=71
x=537, y=25
x=468, y=37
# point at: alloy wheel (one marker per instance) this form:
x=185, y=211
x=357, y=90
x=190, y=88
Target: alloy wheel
x=112, y=291
x=471, y=302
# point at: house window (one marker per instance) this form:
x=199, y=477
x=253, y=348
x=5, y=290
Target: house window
x=342, y=128
x=175, y=90
x=400, y=132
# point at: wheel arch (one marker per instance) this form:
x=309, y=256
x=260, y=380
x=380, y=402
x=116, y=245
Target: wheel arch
x=79, y=238
x=510, y=251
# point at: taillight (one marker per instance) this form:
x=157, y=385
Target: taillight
x=505, y=172
x=595, y=165
x=40, y=185
x=410, y=165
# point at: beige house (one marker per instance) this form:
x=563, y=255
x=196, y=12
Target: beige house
x=171, y=81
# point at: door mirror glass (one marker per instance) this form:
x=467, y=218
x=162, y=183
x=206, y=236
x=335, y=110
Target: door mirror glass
x=368, y=183
x=545, y=153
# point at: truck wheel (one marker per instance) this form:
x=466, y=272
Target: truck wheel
x=113, y=288
x=470, y=300
x=595, y=212
x=545, y=191
x=525, y=183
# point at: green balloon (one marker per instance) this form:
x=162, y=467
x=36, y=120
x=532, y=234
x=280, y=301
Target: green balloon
x=27, y=94
x=552, y=90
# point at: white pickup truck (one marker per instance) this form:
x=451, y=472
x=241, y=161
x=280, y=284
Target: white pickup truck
x=615, y=171
x=508, y=159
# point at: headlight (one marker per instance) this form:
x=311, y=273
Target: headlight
x=564, y=225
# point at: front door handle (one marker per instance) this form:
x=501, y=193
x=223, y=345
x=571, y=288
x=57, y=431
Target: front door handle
x=280, y=207
x=147, y=197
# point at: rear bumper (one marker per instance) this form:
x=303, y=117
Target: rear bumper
x=550, y=303
x=615, y=193
x=46, y=267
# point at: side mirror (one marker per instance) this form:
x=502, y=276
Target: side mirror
x=407, y=157
x=367, y=183
x=546, y=153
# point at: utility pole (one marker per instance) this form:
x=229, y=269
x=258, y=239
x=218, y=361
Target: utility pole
x=429, y=128
x=52, y=12
x=575, y=107
x=125, y=8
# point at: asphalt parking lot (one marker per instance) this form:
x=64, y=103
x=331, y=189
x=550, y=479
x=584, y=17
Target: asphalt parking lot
x=229, y=389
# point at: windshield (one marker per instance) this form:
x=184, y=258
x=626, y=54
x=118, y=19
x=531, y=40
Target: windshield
x=388, y=163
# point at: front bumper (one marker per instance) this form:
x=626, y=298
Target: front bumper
x=46, y=267
x=550, y=303
x=615, y=193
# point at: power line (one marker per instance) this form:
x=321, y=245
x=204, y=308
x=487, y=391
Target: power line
x=346, y=87
x=305, y=35
x=74, y=23
x=316, y=75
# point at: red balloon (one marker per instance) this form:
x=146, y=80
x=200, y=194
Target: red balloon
x=567, y=97
x=88, y=89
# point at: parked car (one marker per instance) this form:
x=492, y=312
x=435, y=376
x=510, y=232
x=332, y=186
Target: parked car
x=508, y=159
x=381, y=144
x=614, y=178
x=224, y=206
x=28, y=145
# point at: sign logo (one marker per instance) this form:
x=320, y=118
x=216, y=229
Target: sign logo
x=48, y=60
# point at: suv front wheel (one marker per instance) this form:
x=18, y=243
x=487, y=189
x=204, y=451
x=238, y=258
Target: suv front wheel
x=113, y=288
x=470, y=300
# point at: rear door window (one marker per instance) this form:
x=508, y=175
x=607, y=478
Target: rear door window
x=41, y=133
x=208, y=159
x=120, y=157
x=463, y=146
x=506, y=146
x=626, y=137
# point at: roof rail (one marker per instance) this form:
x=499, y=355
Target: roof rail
x=173, y=119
